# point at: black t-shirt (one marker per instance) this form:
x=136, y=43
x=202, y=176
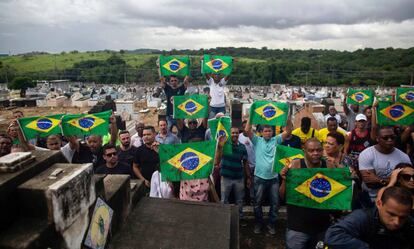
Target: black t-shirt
x=147, y=161
x=126, y=156
x=169, y=92
x=293, y=142
x=120, y=169
x=83, y=155
x=188, y=134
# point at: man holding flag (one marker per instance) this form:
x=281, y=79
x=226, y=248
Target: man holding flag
x=265, y=179
x=234, y=169
x=305, y=226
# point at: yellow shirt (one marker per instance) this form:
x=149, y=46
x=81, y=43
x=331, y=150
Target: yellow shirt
x=323, y=133
x=305, y=136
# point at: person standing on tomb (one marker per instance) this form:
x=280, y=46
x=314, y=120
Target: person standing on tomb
x=136, y=139
x=333, y=113
x=217, y=84
x=171, y=89
x=193, y=131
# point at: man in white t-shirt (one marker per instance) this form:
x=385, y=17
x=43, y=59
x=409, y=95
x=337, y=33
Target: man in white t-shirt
x=218, y=98
x=378, y=161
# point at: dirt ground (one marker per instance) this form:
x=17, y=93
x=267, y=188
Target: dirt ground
x=250, y=240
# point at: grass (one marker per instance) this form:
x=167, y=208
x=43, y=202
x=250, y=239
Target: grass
x=47, y=62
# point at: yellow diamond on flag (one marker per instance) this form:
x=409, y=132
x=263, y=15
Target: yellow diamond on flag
x=359, y=97
x=408, y=96
x=269, y=111
x=217, y=65
x=286, y=161
x=43, y=124
x=320, y=188
x=86, y=123
x=221, y=130
x=190, y=107
x=189, y=161
x=174, y=65
x=397, y=111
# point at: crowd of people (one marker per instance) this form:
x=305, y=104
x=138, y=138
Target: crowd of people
x=380, y=159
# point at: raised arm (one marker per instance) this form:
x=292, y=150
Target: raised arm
x=374, y=123
x=114, y=129
x=345, y=105
x=248, y=129
x=186, y=81
x=288, y=129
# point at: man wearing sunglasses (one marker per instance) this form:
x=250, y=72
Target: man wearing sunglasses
x=112, y=166
x=193, y=131
x=377, y=162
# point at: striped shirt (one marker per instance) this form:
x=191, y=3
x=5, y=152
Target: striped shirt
x=232, y=164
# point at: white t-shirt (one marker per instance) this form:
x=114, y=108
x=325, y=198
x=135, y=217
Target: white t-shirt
x=217, y=92
x=382, y=164
x=136, y=140
x=337, y=116
x=249, y=148
x=159, y=188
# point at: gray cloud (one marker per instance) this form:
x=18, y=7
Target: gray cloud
x=56, y=25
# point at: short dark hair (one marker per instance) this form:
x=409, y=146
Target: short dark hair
x=173, y=76
x=54, y=136
x=149, y=127
x=305, y=121
x=17, y=111
x=340, y=139
x=107, y=147
x=403, y=165
x=312, y=140
x=266, y=126
x=162, y=119
x=331, y=119
x=401, y=195
x=123, y=132
x=383, y=127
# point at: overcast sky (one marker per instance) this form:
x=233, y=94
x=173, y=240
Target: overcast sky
x=65, y=25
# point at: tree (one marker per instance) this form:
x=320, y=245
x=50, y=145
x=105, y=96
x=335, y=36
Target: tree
x=21, y=83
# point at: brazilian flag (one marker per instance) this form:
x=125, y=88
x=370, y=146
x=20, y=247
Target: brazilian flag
x=320, y=188
x=221, y=126
x=175, y=65
x=269, y=113
x=217, y=64
x=360, y=97
x=186, y=161
x=405, y=95
x=41, y=126
x=284, y=155
x=394, y=113
x=190, y=106
x=86, y=124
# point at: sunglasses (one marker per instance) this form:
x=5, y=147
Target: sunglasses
x=386, y=138
x=407, y=177
x=111, y=154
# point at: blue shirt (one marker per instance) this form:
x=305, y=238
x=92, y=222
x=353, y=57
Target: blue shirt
x=265, y=153
x=169, y=139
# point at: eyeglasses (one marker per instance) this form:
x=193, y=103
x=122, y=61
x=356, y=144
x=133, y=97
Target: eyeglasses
x=386, y=138
x=111, y=154
x=407, y=177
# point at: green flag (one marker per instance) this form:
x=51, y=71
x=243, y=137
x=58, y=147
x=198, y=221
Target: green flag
x=405, y=95
x=269, y=113
x=186, y=161
x=174, y=65
x=221, y=126
x=86, y=124
x=320, y=188
x=217, y=64
x=190, y=106
x=284, y=155
x=41, y=126
x=389, y=113
x=360, y=97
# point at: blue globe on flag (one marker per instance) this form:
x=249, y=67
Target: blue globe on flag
x=44, y=123
x=190, y=107
x=269, y=111
x=174, y=65
x=359, y=97
x=320, y=187
x=87, y=122
x=217, y=64
x=397, y=111
x=189, y=161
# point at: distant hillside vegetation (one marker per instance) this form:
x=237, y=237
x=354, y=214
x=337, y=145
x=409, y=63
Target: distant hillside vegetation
x=263, y=66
